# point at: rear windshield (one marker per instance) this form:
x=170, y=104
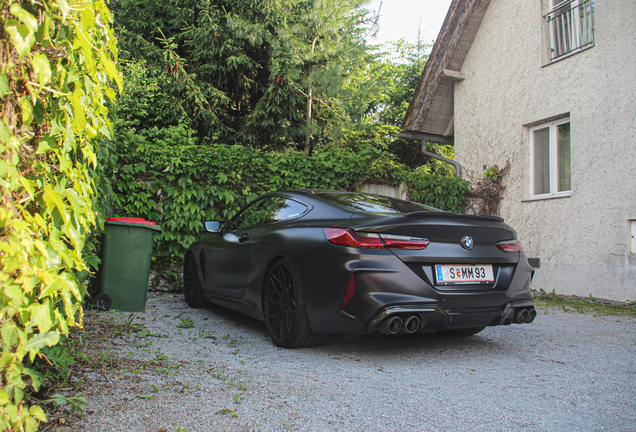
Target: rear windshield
x=374, y=203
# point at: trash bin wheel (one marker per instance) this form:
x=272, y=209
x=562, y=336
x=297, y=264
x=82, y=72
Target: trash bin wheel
x=102, y=301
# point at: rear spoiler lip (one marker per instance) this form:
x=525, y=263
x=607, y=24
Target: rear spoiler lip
x=448, y=213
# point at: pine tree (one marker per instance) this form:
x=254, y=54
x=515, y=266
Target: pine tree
x=248, y=71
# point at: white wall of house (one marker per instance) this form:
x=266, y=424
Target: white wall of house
x=584, y=239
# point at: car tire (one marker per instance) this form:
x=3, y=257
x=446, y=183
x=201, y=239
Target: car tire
x=284, y=308
x=191, y=285
x=462, y=332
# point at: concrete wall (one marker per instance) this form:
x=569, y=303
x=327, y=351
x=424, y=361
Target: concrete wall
x=385, y=189
x=583, y=240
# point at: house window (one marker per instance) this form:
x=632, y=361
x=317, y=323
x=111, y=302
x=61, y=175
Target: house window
x=570, y=26
x=551, y=159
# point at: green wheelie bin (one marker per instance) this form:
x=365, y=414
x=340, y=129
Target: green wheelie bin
x=126, y=256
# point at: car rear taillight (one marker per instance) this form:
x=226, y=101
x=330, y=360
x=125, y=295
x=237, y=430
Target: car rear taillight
x=348, y=237
x=510, y=246
x=351, y=238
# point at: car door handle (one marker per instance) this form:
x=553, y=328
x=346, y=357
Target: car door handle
x=244, y=238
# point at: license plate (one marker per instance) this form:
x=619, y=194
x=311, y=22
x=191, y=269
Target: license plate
x=464, y=274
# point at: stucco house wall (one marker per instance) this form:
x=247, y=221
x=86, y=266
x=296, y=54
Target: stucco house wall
x=583, y=241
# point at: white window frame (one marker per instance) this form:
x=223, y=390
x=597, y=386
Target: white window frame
x=553, y=160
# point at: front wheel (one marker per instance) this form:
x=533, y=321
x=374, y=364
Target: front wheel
x=284, y=307
x=191, y=286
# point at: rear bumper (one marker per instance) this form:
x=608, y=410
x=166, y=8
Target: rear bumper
x=386, y=287
x=433, y=318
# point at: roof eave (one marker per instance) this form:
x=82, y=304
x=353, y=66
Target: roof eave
x=434, y=93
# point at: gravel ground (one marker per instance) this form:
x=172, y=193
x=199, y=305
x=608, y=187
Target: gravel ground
x=173, y=368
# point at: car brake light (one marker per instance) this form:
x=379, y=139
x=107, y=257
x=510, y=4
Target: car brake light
x=510, y=246
x=351, y=238
x=404, y=242
x=350, y=291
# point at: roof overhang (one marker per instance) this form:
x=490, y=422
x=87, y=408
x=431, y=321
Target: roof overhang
x=430, y=115
x=428, y=137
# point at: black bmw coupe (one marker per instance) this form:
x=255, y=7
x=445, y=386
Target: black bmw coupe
x=311, y=263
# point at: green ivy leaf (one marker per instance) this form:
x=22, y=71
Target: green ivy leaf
x=4, y=85
x=22, y=35
x=111, y=70
x=54, y=200
x=38, y=413
x=41, y=68
x=41, y=317
x=41, y=340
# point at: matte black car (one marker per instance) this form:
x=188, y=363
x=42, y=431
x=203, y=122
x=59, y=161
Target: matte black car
x=311, y=263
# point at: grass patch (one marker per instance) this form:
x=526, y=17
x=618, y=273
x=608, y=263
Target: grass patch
x=585, y=304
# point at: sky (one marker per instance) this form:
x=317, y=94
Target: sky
x=400, y=18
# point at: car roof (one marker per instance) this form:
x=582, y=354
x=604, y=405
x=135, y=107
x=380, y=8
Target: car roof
x=325, y=197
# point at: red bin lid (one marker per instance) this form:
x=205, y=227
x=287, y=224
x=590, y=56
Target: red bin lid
x=132, y=220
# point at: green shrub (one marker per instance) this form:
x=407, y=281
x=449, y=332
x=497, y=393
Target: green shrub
x=180, y=185
x=56, y=69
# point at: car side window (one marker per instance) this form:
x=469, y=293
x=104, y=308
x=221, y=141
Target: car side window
x=268, y=211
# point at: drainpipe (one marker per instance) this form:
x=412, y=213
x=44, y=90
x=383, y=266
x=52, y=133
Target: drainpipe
x=458, y=167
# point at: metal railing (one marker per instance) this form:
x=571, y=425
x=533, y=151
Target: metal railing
x=570, y=27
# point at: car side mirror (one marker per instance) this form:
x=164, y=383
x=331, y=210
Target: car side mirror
x=213, y=226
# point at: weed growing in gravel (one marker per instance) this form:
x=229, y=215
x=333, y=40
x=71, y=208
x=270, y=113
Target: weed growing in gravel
x=225, y=411
x=230, y=341
x=584, y=304
x=146, y=333
x=231, y=381
x=76, y=402
x=143, y=344
x=205, y=334
x=159, y=356
x=186, y=323
x=170, y=370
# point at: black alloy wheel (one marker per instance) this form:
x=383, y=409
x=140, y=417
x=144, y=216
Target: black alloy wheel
x=191, y=285
x=284, y=308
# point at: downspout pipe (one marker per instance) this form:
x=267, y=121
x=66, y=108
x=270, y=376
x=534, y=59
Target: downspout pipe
x=458, y=167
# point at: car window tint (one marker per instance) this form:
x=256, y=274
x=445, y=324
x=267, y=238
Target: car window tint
x=375, y=203
x=268, y=211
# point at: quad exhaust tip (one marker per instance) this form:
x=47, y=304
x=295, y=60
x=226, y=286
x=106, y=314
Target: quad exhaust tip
x=394, y=325
x=399, y=324
x=524, y=315
x=412, y=324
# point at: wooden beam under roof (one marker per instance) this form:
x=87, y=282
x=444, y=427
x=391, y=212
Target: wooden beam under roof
x=457, y=76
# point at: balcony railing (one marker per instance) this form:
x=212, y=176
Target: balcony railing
x=571, y=27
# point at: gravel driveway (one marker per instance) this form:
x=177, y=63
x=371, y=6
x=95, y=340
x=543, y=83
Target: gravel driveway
x=181, y=369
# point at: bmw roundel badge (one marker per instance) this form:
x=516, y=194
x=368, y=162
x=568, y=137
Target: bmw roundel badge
x=467, y=243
